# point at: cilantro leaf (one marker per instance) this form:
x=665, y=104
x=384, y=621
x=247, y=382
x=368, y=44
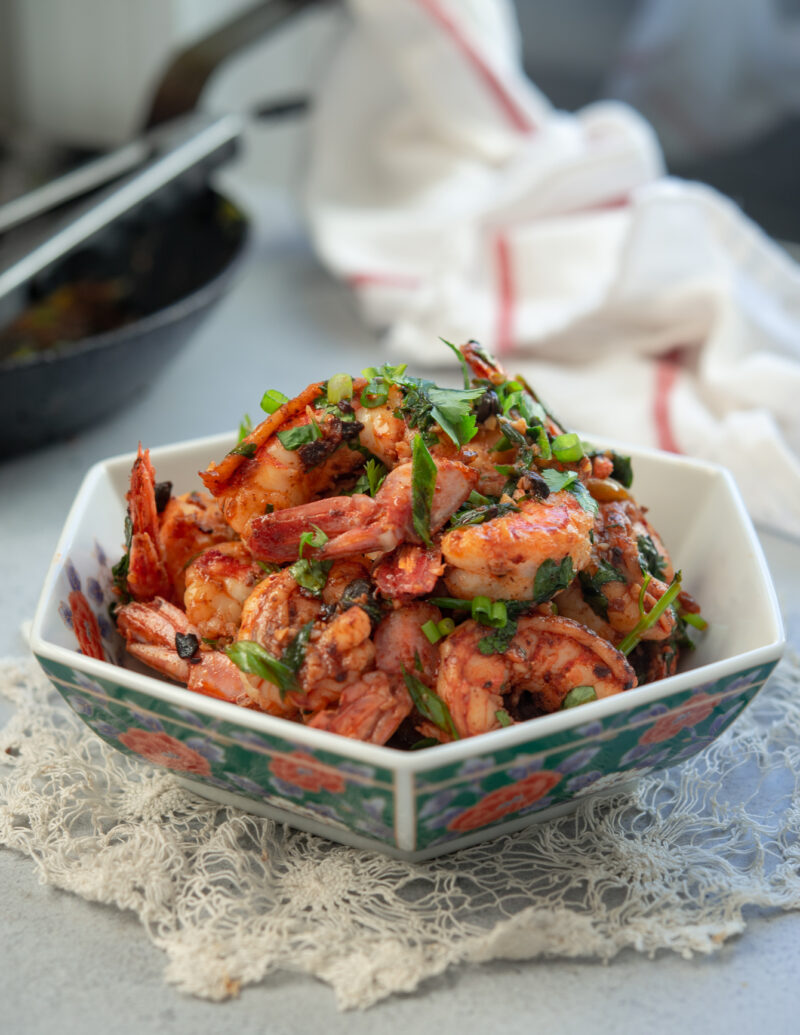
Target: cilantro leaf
x=311, y=575
x=300, y=435
x=551, y=577
x=499, y=641
x=591, y=586
x=372, y=478
x=650, y=559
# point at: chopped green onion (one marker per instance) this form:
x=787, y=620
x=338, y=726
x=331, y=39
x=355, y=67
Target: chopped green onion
x=488, y=612
x=446, y=626
x=340, y=387
x=503, y=717
x=429, y=704
x=272, y=400
x=451, y=603
x=426, y=742
x=270, y=569
x=579, y=695
x=567, y=448
x=372, y=396
x=251, y=657
x=247, y=449
x=652, y=616
x=692, y=619
x=477, y=500
x=431, y=630
x=423, y=485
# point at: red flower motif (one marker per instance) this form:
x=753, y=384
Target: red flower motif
x=85, y=626
x=165, y=750
x=695, y=710
x=303, y=770
x=506, y=799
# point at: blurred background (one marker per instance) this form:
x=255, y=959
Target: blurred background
x=719, y=80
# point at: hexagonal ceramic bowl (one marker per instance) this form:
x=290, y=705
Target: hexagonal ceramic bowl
x=415, y=805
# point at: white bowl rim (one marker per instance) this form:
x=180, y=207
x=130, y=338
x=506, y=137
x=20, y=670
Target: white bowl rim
x=380, y=756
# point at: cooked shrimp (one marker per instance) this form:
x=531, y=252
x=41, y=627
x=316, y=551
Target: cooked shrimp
x=400, y=642
x=360, y=524
x=370, y=709
x=276, y=611
x=152, y=632
x=276, y=477
x=337, y=651
x=548, y=656
x=500, y=558
x=162, y=543
x=618, y=541
x=409, y=571
x=217, y=584
x=147, y=573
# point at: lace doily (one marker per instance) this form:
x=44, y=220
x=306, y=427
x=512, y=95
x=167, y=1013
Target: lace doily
x=231, y=897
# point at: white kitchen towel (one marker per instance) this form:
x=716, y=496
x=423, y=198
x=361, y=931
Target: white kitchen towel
x=446, y=190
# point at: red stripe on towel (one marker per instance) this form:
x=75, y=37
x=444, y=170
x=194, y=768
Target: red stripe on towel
x=518, y=118
x=397, y=280
x=505, y=296
x=666, y=374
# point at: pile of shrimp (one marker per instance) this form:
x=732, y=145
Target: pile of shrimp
x=402, y=563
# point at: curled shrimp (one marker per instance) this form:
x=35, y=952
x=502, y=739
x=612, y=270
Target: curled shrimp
x=338, y=650
x=500, y=558
x=359, y=524
x=548, y=656
x=165, y=538
x=218, y=582
x=261, y=473
x=624, y=545
x=161, y=636
x=370, y=709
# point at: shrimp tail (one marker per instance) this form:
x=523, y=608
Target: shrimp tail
x=147, y=573
x=276, y=537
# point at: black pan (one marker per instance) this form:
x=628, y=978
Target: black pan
x=57, y=391
x=198, y=240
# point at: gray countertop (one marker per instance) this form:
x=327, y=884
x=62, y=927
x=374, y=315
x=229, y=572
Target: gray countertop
x=69, y=965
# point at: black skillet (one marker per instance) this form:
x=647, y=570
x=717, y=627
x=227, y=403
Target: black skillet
x=159, y=233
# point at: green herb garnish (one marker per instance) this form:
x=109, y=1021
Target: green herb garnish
x=423, y=485
x=591, y=586
x=551, y=577
x=314, y=539
x=372, y=478
x=272, y=400
x=340, y=387
x=429, y=704
x=300, y=435
x=503, y=717
x=460, y=357
x=311, y=575
x=579, y=695
x=251, y=657
x=247, y=449
x=650, y=559
x=647, y=620
x=245, y=427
